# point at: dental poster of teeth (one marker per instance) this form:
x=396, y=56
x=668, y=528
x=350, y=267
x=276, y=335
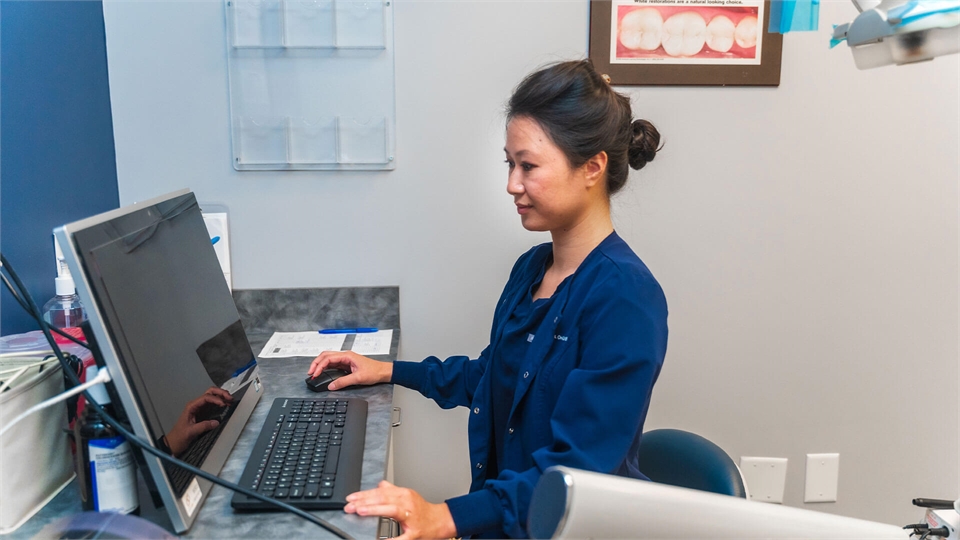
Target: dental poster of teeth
x=692, y=32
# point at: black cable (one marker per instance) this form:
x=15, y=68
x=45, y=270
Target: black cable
x=32, y=310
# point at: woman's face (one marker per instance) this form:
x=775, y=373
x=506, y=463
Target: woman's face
x=550, y=195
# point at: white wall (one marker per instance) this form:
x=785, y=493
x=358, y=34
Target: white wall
x=806, y=235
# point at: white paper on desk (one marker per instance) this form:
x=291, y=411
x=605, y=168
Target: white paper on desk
x=288, y=344
x=373, y=343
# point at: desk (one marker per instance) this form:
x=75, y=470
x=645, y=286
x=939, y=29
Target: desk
x=282, y=377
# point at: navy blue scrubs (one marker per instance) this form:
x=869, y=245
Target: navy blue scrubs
x=566, y=381
x=518, y=335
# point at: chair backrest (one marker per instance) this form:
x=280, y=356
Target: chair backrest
x=684, y=459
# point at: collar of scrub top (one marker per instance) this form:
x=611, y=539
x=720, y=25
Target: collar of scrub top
x=539, y=348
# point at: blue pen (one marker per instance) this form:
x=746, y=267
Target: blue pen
x=347, y=330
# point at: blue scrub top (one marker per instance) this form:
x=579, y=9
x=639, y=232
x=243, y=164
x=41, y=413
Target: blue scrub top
x=518, y=336
x=580, y=390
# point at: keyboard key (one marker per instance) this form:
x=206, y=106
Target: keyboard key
x=332, y=457
x=326, y=493
x=281, y=493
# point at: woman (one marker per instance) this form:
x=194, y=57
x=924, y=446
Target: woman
x=578, y=336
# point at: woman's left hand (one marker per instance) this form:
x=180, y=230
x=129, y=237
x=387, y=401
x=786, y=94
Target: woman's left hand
x=418, y=518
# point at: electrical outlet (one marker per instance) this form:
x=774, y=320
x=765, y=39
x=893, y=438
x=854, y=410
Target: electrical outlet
x=823, y=471
x=766, y=478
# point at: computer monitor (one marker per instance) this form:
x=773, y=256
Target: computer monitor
x=168, y=331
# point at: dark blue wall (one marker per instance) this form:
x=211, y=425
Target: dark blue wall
x=57, y=159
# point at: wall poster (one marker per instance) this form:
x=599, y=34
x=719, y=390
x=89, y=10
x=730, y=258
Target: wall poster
x=684, y=42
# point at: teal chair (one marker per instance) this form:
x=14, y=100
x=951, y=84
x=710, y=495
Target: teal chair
x=680, y=458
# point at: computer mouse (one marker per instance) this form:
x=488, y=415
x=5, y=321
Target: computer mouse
x=320, y=382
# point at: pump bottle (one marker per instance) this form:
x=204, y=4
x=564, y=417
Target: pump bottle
x=64, y=310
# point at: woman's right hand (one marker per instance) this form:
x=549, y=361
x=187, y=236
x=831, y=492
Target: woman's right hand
x=362, y=370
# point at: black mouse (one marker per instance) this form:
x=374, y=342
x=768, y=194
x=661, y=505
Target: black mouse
x=320, y=382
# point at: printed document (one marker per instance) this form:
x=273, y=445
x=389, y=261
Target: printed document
x=312, y=343
x=373, y=343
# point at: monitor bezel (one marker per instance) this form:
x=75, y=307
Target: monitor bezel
x=183, y=510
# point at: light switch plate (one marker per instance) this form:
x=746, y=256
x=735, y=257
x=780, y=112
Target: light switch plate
x=766, y=478
x=823, y=472
x=216, y=223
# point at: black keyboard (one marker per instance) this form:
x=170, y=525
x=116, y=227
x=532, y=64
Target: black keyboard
x=309, y=454
x=199, y=448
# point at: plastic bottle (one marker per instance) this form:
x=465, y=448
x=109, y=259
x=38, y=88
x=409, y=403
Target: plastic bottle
x=106, y=472
x=64, y=310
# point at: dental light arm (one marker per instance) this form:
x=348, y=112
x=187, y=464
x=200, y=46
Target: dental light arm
x=901, y=31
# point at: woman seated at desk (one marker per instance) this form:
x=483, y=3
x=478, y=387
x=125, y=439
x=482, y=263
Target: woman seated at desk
x=579, y=334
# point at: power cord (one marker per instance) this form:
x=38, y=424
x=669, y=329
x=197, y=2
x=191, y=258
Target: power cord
x=30, y=306
x=103, y=376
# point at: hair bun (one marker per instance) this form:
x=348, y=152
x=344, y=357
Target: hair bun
x=645, y=143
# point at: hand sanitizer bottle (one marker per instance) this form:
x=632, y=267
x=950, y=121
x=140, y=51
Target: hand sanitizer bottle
x=64, y=310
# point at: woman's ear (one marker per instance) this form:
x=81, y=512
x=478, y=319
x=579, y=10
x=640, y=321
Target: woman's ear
x=595, y=169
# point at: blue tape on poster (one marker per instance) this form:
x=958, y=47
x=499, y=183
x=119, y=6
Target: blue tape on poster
x=794, y=16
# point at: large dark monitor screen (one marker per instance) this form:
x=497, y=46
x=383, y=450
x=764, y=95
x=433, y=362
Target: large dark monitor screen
x=169, y=332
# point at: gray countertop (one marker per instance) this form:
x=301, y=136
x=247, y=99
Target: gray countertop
x=282, y=377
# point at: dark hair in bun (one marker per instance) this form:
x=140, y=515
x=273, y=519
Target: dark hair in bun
x=644, y=143
x=584, y=116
